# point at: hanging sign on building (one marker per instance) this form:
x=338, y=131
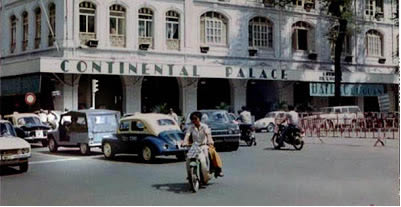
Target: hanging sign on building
x=327, y=89
x=384, y=102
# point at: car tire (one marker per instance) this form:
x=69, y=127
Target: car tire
x=45, y=143
x=24, y=167
x=84, y=149
x=270, y=127
x=235, y=146
x=108, y=150
x=52, y=145
x=147, y=154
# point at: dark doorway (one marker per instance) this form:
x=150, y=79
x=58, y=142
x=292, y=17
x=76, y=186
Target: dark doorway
x=213, y=92
x=261, y=95
x=159, y=94
x=109, y=95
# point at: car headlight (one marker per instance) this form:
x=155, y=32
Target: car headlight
x=25, y=150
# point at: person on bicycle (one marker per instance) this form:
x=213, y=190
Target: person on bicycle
x=292, y=119
x=201, y=133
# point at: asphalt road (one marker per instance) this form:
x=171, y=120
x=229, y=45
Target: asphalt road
x=336, y=172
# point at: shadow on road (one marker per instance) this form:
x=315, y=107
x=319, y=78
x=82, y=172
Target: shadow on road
x=282, y=149
x=5, y=171
x=136, y=160
x=69, y=153
x=178, y=188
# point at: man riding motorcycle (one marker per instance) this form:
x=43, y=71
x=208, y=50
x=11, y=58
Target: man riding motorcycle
x=292, y=119
x=201, y=133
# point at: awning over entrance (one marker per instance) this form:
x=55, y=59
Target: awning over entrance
x=20, y=85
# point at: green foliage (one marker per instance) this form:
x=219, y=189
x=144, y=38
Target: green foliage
x=161, y=108
x=223, y=106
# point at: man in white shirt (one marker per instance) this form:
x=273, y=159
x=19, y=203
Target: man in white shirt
x=245, y=116
x=292, y=119
x=173, y=115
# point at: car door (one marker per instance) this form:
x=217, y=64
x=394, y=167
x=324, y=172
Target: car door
x=125, y=135
x=65, y=122
x=78, y=131
x=138, y=134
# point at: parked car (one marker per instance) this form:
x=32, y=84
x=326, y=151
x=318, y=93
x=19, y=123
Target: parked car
x=336, y=116
x=233, y=118
x=84, y=129
x=14, y=151
x=148, y=135
x=29, y=127
x=225, y=133
x=268, y=122
x=49, y=117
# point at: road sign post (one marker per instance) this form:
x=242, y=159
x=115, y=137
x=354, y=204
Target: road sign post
x=95, y=89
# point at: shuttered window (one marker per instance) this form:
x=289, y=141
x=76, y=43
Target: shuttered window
x=374, y=43
x=260, y=33
x=303, y=37
x=214, y=28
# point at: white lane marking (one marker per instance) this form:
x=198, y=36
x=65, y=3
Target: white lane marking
x=50, y=161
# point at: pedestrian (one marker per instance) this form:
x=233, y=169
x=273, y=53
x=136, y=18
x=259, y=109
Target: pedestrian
x=173, y=115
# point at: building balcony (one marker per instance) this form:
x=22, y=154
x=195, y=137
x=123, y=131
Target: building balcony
x=173, y=44
x=85, y=37
x=118, y=40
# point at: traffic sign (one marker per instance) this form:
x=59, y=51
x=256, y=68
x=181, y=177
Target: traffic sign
x=30, y=98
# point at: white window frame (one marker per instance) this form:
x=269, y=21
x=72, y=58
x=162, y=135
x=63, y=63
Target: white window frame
x=261, y=33
x=374, y=44
x=302, y=26
x=147, y=32
x=13, y=33
x=121, y=17
x=213, y=29
x=25, y=30
x=171, y=21
x=91, y=12
x=371, y=7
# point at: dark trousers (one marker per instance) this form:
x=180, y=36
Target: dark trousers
x=286, y=132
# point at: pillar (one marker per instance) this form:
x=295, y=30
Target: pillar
x=69, y=93
x=238, y=94
x=188, y=95
x=285, y=90
x=132, y=86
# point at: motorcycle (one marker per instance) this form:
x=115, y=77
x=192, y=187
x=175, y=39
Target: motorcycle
x=198, y=166
x=248, y=134
x=295, y=138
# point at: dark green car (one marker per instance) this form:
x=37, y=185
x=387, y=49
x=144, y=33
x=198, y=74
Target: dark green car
x=225, y=132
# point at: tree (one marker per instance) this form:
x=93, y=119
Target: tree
x=341, y=12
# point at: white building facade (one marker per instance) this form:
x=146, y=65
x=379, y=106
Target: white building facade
x=192, y=54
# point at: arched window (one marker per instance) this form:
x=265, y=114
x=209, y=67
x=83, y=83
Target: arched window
x=374, y=43
x=87, y=21
x=173, y=30
x=306, y=4
x=260, y=33
x=303, y=36
x=117, y=25
x=25, y=34
x=374, y=8
x=13, y=33
x=38, y=27
x=52, y=21
x=347, y=46
x=145, y=26
x=214, y=27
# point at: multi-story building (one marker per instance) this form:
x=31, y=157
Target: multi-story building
x=192, y=54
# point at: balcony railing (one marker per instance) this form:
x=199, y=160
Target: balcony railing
x=117, y=40
x=84, y=37
x=173, y=44
x=146, y=40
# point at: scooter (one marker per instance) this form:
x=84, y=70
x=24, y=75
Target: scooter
x=247, y=134
x=198, y=166
x=295, y=138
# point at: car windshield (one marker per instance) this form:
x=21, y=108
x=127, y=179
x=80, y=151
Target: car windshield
x=28, y=121
x=354, y=110
x=6, y=130
x=103, y=122
x=165, y=122
x=270, y=115
x=215, y=116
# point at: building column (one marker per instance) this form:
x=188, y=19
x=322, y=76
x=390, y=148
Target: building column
x=188, y=95
x=285, y=90
x=132, y=87
x=238, y=94
x=361, y=102
x=68, y=100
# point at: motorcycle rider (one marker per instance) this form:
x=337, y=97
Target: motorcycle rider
x=201, y=133
x=292, y=118
x=246, y=120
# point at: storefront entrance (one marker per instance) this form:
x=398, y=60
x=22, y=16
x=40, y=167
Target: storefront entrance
x=159, y=94
x=261, y=96
x=213, y=93
x=109, y=95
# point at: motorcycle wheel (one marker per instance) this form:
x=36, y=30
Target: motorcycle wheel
x=300, y=145
x=274, y=141
x=194, y=180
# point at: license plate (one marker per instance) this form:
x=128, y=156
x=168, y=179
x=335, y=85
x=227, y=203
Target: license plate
x=39, y=133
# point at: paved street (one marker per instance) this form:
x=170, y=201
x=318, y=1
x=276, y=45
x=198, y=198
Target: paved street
x=336, y=172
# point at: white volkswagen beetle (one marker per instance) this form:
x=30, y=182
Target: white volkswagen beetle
x=268, y=122
x=14, y=151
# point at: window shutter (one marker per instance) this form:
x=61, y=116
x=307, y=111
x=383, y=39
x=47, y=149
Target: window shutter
x=294, y=39
x=224, y=34
x=202, y=30
x=311, y=39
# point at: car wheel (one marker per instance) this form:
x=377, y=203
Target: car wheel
x=52, y=145
x=270, y=127
x=23, y=167
x=45, y=143
x=84, y=148
x=147, y=154
x=108, y=150
x=235, y=146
